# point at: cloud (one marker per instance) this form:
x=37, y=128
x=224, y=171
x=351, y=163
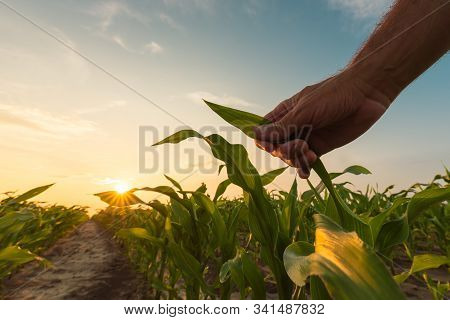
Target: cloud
x=108, y=11
x=361, y=9
x=154, y=47
x=227, y=100
x=112, y=105
x=44, y=122
x=118, y=40
x=168, y=20
x=253, y=7
x=208, y=6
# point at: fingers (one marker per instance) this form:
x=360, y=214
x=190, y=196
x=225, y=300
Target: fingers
x=266, y=146
x=279, y=111
x=295, y=153
x=296, y=121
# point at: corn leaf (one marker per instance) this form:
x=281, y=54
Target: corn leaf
x=188, y=264
x=348, y=268
x=219, y=228
x=17, y=256
x=29, y=194
x=421, y=263
x=266, y=179
x=174, y=182
x=139, y=233
x=392, y=233
x=116, y=199
x=350, y=221
x=424, y=199
x=377, y=222
x=171, y=193
x=253, y=276
x=356, y=170
x=242, y=120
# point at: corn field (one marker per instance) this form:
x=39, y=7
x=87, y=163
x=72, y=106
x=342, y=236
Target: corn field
x=329, y=242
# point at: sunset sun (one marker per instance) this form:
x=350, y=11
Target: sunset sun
x=122, y=187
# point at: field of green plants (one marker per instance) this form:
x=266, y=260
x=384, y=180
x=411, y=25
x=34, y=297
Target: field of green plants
x=328, y=242
x=28, y=228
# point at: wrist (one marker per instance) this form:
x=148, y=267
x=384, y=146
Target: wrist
x=376, y=79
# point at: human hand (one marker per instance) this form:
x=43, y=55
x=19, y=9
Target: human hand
x=335, y=112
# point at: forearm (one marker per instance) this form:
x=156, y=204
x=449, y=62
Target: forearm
x=412, y=36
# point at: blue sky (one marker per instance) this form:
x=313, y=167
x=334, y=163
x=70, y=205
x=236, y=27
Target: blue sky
x=64, y=121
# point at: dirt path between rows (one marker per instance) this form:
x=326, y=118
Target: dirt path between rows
x=87, y=264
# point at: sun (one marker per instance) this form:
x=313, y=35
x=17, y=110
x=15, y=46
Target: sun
x=122, y=187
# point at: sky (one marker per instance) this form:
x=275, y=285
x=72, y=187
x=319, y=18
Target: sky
x=66, y=121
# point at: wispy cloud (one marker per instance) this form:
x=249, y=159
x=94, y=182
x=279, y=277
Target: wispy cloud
x=361, y=9
x=208, y=6
x=119, y=41
x=116, y=104
x=109, y=11
x=44, y=122
x=253, y=7
x=168, y=20
x=198, y=96
x=154, y=47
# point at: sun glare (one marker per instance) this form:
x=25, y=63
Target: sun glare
x=122, y=187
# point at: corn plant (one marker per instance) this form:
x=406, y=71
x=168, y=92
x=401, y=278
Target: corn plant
x=331, y=243
x=27, y=228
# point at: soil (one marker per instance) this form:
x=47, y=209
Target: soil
x=86, y=264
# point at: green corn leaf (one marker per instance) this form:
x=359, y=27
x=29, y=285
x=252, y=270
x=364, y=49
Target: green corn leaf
x=233, y=268
x=181, y=215
x=377, y=222
x=188, y=264
x=254, y=277
x=297, y=263
x=266, y=179
x=139, y=233
x=424, y=199
x=158, y=206
x=392, y=233
x=179, y=136
x=331, y=210
x=116, y=199
x=318, y=289
x=421, y=263
x=219, y=228
x=221, y=188
x=289, y=212
x=171, y=193
x=17, y=256
x=174, y=182
x=350, y=221
x=202, y=188
x=28, y=195
x=348, y=268
x=14, y=218
x=356, y=170
x=242, y=120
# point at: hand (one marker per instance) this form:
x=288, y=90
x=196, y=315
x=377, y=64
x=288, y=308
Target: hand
x=336, y=111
